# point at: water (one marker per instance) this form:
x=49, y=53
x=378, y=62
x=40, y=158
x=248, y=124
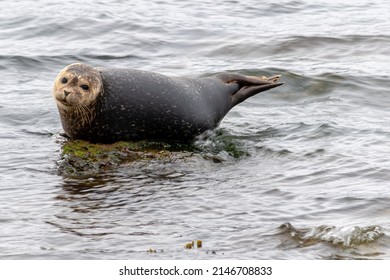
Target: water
x=299, y=172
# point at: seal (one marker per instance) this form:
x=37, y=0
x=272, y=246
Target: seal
x=106, y=105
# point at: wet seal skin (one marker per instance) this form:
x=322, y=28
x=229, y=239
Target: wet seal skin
x=105, y=105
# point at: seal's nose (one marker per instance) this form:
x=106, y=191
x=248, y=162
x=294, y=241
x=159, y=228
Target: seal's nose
x=66, y=93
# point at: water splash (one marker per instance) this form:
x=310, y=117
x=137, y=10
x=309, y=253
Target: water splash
x=345, y=236
x=220, y=146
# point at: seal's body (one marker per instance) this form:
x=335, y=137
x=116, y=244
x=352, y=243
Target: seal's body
x=110, y=104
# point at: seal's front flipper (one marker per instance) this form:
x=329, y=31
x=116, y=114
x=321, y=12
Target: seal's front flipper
x=249, y=85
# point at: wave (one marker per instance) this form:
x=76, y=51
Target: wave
x=302, y=46
x=343, y=236
x=50, y=62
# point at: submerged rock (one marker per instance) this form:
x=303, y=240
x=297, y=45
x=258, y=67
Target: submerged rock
x=81, y=157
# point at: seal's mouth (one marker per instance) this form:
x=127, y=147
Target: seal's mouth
x=63, y=102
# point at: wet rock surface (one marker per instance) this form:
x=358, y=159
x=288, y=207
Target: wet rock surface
x=81, y=157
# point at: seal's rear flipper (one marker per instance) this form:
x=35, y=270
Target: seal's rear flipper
x=248, y=91
x=249, y=85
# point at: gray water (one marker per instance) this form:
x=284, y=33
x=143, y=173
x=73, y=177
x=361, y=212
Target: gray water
x=303, y=170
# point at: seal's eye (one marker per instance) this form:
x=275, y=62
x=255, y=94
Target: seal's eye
x=64, y=80
x=85, y=87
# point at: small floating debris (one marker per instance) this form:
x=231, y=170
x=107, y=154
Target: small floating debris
x=151, y=251
x=191, y=245
x=212, y=252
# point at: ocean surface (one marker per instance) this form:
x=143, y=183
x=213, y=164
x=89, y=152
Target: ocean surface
x=298, y=172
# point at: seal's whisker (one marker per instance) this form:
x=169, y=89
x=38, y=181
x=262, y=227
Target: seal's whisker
x=78, y=113
x=82, y=113
x=88, y=112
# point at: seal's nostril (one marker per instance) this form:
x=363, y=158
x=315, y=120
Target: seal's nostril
x=66, y=93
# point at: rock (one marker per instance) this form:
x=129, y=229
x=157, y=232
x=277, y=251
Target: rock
x=81, y=157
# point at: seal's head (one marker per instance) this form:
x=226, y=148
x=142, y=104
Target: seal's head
x=76, y=90
x=77, y=86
